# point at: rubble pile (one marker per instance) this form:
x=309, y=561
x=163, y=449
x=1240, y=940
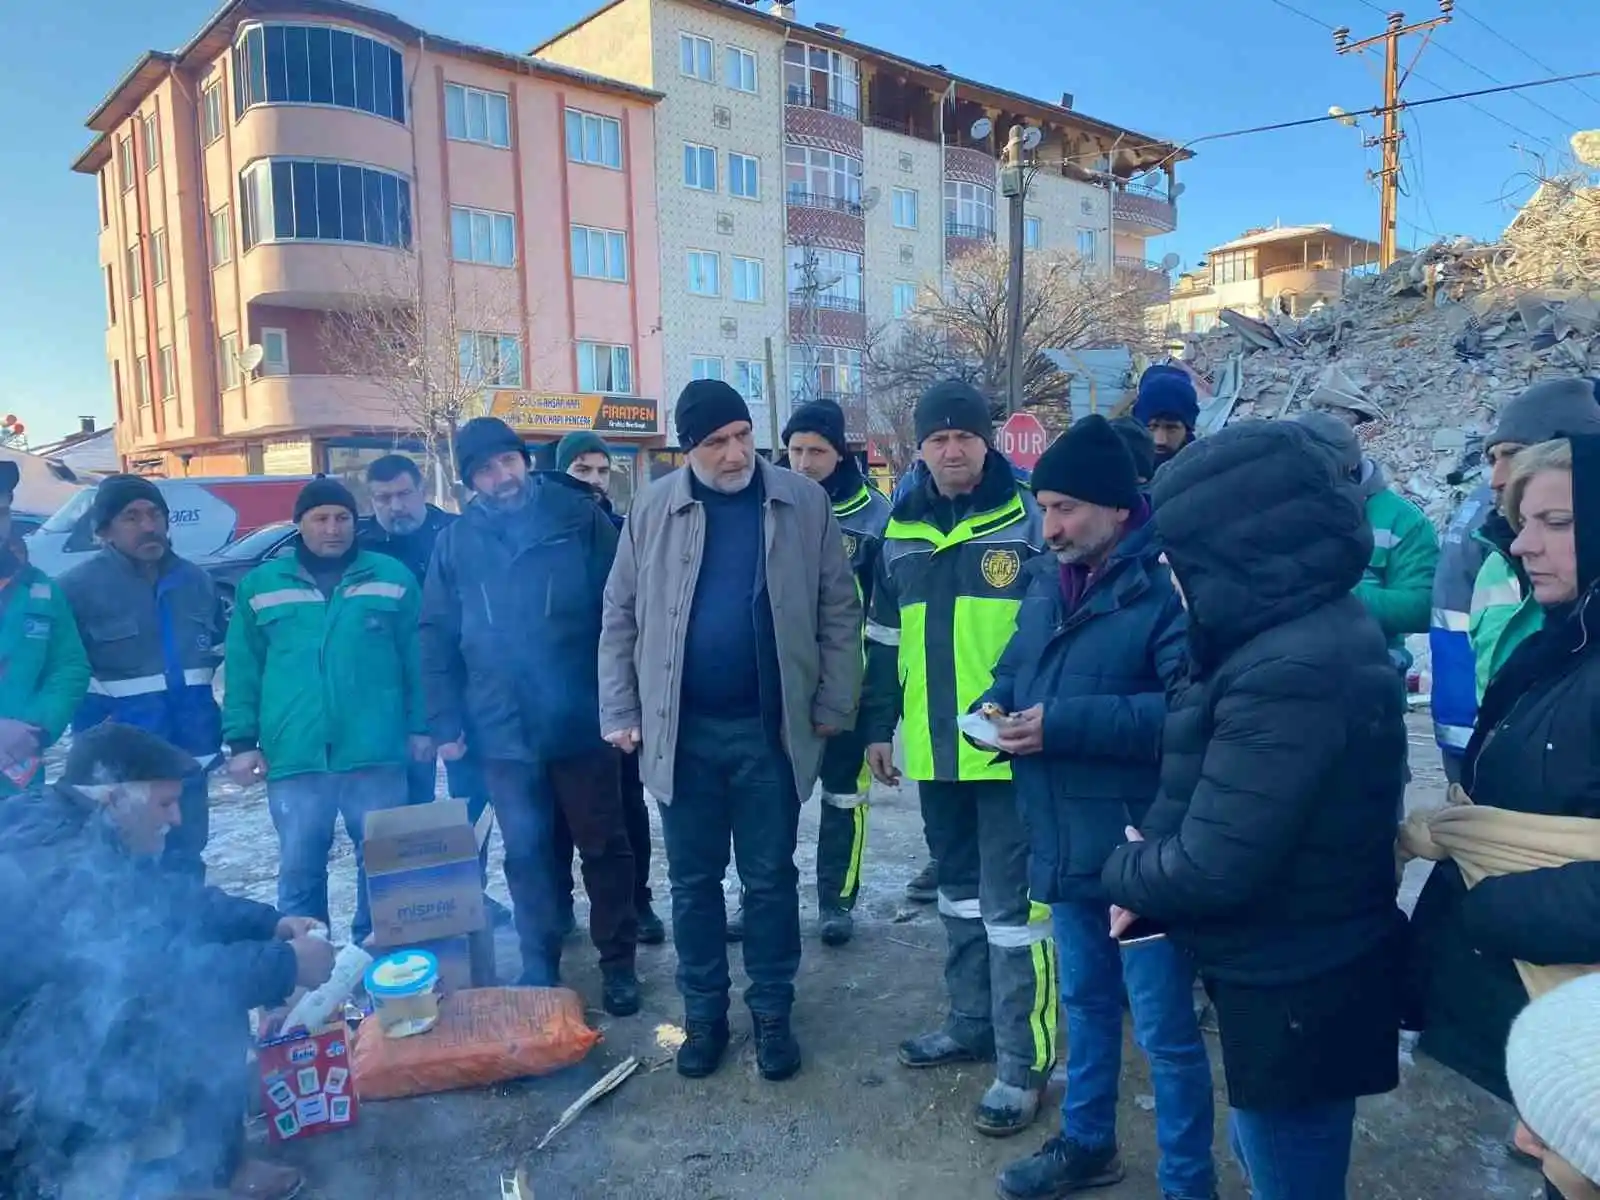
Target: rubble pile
x=1430, y=349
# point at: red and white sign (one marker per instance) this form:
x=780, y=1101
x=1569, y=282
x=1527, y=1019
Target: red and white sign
x=1022, y=440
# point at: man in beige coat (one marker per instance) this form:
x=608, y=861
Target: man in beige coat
x=730, y=650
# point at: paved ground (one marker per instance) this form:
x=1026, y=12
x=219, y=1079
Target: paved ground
x=853, y=1124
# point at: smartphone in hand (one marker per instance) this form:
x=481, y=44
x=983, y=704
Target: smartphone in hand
x=1141, y=931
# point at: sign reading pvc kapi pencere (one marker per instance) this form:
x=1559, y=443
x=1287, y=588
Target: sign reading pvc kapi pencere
x=544, y=412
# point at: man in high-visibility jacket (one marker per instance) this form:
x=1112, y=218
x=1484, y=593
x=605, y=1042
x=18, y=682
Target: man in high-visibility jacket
x=815, y=440
x=944, y=606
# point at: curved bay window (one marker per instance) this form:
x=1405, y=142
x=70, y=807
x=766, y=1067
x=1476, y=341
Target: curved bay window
x=302, y=199
x=317, y=64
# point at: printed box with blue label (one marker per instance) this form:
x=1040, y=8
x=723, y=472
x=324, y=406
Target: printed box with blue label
x=422, y=874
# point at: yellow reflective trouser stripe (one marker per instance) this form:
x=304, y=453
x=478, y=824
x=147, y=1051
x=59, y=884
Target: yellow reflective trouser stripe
x=916, y=737
x=858, y=843
x=1043, y=1017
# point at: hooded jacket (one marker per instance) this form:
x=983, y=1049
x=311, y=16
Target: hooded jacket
x=1534, y=750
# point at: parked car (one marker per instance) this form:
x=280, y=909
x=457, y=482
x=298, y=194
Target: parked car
x=237, y=559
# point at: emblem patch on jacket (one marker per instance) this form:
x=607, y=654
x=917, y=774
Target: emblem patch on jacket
x=36, y=627
x=1000, y=567
x=851, y=543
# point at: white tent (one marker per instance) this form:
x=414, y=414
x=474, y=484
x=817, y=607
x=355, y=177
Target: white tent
x=44, y=486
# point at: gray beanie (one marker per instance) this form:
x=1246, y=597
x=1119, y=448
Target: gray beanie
x=1336, y=437
x=1553, y=1066
x=1548, y=409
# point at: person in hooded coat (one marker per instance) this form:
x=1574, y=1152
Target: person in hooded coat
x=1269, y=852
x=1533, y=750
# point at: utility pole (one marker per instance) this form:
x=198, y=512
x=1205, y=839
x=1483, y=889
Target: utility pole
x=1393, y=80
x=1014, y=186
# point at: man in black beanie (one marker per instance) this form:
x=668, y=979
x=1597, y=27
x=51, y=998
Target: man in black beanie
x=1141, y=447
x=1082, y=693
x=815, y=440
x=944, y=604
x=731, y=652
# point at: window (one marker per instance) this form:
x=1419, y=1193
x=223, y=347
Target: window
x=152, y=143
x=593, y=139
x=599, y=253
x=317, y=64
x=968, y=210
x=699, y=167
x=705, y=368
x=135, y=271
x=471, y=115
x=832, y=277
x=1088, y=244
x=905, y=299
x=822, y=179
x=905, y=208
x=749, y=280
x=297, y=200
x=750, y=379
x=211, y=112
x=166, y=373
x=105, y=199
x=820, y=78
x=694, y=56
x=111, y=297
x=228, y=360
x=744, y=176
x=477, y=236
x=739, y=69
x=141, y=380
x=823, y=371
x=222, y=236
x=1031, y=233
x=1235, y=266
x=490, y=359
x=274, y=351
x=603, y=368
x=158, y=258
x=705, y=273
x=125, y=163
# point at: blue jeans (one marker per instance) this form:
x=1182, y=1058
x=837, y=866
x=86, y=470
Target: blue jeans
x=1294, y=1153
x=1160, y=982
x=305, y=810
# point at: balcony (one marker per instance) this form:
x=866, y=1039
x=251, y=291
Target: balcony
x=824, y=301
x=971, y=233
x=1144, y=210
x=799, y=97
x=1145, y=274
x=801, y=199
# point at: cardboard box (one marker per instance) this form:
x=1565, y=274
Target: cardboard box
x=422, y=873
x=465, y=961
x=306, y=1085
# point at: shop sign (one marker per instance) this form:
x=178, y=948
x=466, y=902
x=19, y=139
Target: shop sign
x=559, y=413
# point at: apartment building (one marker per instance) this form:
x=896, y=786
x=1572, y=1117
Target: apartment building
x=301, y=164
x=810, y=185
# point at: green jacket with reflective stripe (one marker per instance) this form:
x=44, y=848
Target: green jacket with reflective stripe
x=43, y=671
x=1503, y=617
x=1398, y=585
x=944, y=607
x=324, y=684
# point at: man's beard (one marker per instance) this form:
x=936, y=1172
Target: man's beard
x=509, y=500
x=728, y=487
x=401, y=526
x=1091, y=552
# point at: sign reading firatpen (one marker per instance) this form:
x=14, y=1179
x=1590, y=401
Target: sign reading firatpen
x=558, y=413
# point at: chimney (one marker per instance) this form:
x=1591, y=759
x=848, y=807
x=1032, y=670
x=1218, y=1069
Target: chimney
x=1066, y=99
x=85, y=424
x=782, y=9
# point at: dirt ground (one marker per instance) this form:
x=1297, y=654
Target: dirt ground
x=853, y=1124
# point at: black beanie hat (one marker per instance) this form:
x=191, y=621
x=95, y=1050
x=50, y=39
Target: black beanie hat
x=1089, y=462
x=822, y=417
x=114, y=753
x=704, y=407
x=10, y=476
x=116, y=492
x=479, y=440
x=952, y=404
x=323, y=491
x=1140, y=445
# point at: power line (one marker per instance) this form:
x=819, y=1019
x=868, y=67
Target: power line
x=1481, y=23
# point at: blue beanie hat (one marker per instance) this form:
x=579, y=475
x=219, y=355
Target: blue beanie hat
x=1167, y=391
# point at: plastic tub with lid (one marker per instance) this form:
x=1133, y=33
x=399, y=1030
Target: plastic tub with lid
x=404, y=987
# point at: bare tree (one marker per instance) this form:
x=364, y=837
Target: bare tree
x=960, y=332
x=434, y=355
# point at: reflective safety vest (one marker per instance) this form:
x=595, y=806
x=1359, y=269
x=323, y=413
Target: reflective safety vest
x=862, y=519
x=949, y=601
x=1503, y=617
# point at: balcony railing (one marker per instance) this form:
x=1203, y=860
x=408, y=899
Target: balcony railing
x=799, y=199
x=1156, y=191
x=832, y=303
x=1137, y=264
x=1321, y=264
x=806, y=98
x=904, y=126
x=978, y=233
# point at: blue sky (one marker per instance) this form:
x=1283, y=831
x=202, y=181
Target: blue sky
x=1166, y=67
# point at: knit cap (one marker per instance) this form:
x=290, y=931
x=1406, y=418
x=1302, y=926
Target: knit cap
x=1336, y=437
x=116, y=492
x=705, y=406
x=479, y=440
x=321, y=492
x=1089, y=463
x=1167, y=391
x=1140, y=445
x=578, y=443
x=1553, y=1066
x=952, y=404
x=822, y=417
x=1546, y=410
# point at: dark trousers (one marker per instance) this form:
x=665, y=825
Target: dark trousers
x=842, y=823
x=186, y=844
x=586, y=789
x=465, y=781
x=637, y=820
x=732, y=780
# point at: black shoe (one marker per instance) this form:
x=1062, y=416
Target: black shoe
x=924, y=885
x=937, y=1049
x=736, y=921
x=1060, y=1168
x=836, y=926
x=777, y=1053
x=619, y=992
x=702, y=1052
x=651, y=931
x=499, y=915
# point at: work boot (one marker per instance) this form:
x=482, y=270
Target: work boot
x=1005, y=1110
x=924, y=885
x=651, y=931
x=619, y=991
x=701, y=1053
x=836, y=926
x=937, y=1049
x=736, y=920
x=1060, y=1168
x=259, y=1180
x=777, y=1053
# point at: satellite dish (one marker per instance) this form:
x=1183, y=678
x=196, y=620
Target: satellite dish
x=982, y=127
x=1031, y=137
x=1169, y=262
x=250, y=358
x=870, y=198
x=1179, y=190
